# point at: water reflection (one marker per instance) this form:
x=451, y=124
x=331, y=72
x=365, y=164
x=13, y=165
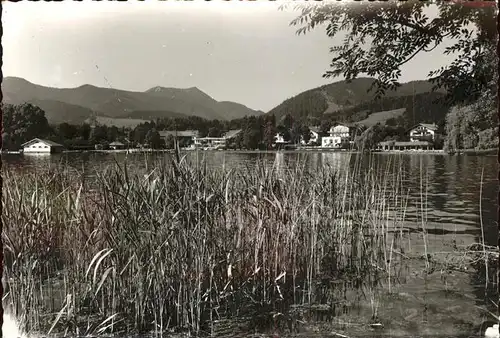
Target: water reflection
x=335, y=160
x=279, y=162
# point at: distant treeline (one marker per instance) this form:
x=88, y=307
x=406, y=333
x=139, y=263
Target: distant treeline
x=26, y=121
x=466, y=127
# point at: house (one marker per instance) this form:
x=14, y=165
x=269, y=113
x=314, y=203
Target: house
x=423, y=132
x=338, y=135
x=38, y=145
x=327, y=142
x=315, y=131
x=422, y=137
x=116, y=145
x=184, y=137
x=314, y=137
x=216, y=142
x=279, y=139
x=209, y=142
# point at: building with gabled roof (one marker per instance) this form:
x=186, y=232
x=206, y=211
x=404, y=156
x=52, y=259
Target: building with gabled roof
x=116, y=145
x=38, y=145
x=216, y=142
x=423, y=132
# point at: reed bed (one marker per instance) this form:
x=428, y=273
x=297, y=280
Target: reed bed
x=184, y=246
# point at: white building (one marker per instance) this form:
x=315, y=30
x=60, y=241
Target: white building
x=279, y=138
x=216, y=142
x=338, y=135
x=423, y=132
x=314, y=131
x=41, y=146
x=116, y=145
x=327, y=142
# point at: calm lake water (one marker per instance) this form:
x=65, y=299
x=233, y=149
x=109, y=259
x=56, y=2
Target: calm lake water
x=461, y=190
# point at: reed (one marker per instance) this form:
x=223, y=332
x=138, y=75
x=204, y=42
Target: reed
x=183, y=247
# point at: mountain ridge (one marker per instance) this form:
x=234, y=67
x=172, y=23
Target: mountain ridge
x=351, y=101
x=162, y=102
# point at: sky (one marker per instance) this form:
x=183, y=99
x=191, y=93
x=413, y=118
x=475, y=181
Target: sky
x=244, y=52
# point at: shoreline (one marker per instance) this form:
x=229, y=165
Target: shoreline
x=473, y=152
x=271, y=151
x=491, y=151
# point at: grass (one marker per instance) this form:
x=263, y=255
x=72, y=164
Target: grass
x=381, y=117
x=181, y=247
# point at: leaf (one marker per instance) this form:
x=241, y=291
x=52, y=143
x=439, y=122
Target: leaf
x=103, y=279
x=96, y=256
x=102, y=329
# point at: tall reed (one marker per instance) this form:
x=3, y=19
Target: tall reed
x=185, y=245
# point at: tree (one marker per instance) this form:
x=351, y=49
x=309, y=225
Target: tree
x=295, y=133
x=285, y=132
x=85, y=130
x=99, y=134
x=22, y=123
x=140, y=132
x=305, y=132
x=170, y=142
x=67, y=131
x=369, y=138
x=472, y=126
x=391, y=122
x=214, y=132
x=288, y=121
x=153, y=139
x=112, y=133
x=383, y=36
x=269, y=133
x=131, y=136
x=313, y=121
x=237, y=142
x=325, y=127
x=251, y=139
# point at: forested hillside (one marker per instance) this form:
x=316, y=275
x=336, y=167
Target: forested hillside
x=353, y=101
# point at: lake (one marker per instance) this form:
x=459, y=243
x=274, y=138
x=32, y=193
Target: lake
x=456, y=193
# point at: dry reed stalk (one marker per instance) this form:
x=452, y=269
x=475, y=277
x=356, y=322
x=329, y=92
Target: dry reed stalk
x=183, y=245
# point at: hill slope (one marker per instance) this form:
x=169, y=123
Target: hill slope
x=58, y=112
x=114, y=103
x=343, y=101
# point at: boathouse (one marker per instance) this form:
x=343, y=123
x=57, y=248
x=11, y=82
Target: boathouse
x=405, y=146
x=116, y=145
x=38, y=145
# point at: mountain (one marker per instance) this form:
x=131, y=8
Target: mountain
x=58, y=112
x=78, y=104
x=224, y=110
x=352, y=102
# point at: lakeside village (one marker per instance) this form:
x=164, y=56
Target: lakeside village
x=340, y=137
